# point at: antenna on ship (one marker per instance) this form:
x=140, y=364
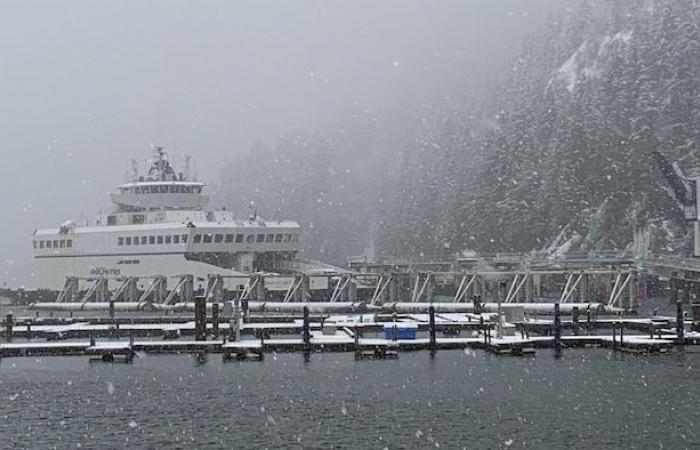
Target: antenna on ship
x=134, y=170
x=187, y=167
x=252, y=217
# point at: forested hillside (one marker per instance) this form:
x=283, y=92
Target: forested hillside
x=556, y=157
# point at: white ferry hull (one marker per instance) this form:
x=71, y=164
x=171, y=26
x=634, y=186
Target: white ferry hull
x=50, y=273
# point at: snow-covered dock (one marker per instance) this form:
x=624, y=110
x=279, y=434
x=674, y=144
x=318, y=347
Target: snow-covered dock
x=338, y=343
x=377, y=335
x=341, y=340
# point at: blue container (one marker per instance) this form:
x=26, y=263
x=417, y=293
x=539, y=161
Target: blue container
x=400, y=330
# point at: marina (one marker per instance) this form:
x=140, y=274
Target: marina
x=311, y=328
x=162, y=272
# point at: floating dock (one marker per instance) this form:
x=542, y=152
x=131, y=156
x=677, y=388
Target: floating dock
x=368, y=336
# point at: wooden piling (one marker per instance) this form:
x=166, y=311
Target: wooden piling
x=200, y=319
x=244, y=306
x=575, y=319
x=673, y=285
x=431, y=328
x=356, y=348
x=306, y=334
x=557, y=330
x=236, y=321
x=680, y=331
x=622, y=334
x=9, y=323
x=215, y=319
x=589, y=325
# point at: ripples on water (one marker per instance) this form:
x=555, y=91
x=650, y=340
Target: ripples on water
x=587, y=399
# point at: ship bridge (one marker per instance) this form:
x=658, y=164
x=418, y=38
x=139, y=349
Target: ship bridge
x=160, y=188
x=156, y=195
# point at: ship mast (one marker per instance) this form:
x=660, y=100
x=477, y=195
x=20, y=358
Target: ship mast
x=160, y=168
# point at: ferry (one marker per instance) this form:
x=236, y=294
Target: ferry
x=160, y=224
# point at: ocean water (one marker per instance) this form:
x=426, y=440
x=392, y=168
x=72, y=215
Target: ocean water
x=460, y=399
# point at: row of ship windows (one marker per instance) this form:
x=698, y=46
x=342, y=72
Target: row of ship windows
x=55, y=243
x=209, y=238
x=164, y=189
x=152, y=240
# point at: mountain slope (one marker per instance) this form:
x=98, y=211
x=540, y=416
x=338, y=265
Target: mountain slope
x=568, y=164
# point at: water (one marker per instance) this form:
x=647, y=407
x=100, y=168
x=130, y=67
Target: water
x=587, y=399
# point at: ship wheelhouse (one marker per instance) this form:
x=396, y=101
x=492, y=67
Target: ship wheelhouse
x=159, y=195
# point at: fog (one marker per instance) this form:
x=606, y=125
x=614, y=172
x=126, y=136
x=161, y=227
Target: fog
x=84, y=86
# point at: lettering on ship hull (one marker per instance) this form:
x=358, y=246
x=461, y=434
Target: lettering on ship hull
x=105, y=271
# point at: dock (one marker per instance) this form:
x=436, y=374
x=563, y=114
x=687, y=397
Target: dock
x=507, y=305
x=377, y=336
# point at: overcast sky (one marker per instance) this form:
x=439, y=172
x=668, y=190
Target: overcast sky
x=86, y=85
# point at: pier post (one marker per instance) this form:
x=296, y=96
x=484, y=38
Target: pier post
x=622, y=332
x=236, y=321
x=589, y=325
x=9, y=323
x=575, y=319
x=557, y=331
x=686, y=291
x=92, y=339
x=680, y=331
x=200, y=318
x=673, y=285
x=111, y=309
x=614, y=333
x=215, y=319
x=483, y=330
x=306, y=334
x=431, y=328
x=356, y=336
x=244, y=306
